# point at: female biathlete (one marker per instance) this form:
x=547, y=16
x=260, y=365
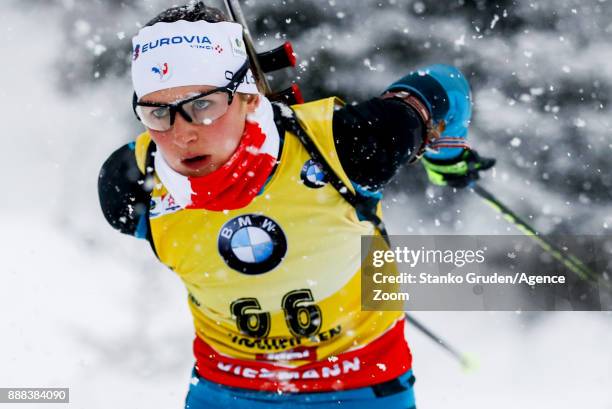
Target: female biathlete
x=256, y=222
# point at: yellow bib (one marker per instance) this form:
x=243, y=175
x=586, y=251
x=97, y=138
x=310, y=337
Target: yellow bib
x=282, y=272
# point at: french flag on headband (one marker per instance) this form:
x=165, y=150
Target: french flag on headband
x=240, y=179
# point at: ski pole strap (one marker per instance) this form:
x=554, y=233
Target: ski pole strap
x=364, y=206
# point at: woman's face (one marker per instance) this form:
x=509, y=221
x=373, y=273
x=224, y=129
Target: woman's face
x=197, y=150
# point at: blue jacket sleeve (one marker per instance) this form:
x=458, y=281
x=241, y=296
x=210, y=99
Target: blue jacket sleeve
x=446, y=93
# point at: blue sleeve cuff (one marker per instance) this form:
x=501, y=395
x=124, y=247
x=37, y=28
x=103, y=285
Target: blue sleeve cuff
x=446, y=92
x=362, y=191
x=142, y=228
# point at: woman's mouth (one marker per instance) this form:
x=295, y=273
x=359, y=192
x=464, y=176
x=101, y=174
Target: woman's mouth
x=196, y=162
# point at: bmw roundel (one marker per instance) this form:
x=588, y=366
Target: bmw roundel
x=252, y=244
x=312, y=174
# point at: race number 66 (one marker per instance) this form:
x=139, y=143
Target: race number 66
x=301, y=316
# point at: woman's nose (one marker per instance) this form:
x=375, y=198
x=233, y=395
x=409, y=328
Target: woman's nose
x=184, y=133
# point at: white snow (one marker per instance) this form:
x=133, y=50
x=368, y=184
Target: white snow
x=88, y=308
x=494, y=21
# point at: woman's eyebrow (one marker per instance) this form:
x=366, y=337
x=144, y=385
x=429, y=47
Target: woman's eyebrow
x=178, y=99
x=188, y=95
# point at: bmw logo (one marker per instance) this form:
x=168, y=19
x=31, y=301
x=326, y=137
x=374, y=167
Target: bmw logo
x=252, y=244
x=312, y=174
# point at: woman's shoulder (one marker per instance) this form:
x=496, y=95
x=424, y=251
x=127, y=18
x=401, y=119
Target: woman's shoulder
x=121, y=189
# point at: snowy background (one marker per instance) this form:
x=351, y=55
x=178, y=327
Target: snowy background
x=90, y=309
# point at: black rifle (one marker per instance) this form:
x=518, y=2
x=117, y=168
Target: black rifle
x=262, y=63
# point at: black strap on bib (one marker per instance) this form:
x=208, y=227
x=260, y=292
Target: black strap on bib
x=365, y=206
x=149, y=179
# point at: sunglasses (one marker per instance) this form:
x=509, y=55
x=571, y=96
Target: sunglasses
x=202, y=109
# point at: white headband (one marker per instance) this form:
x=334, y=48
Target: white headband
x=167, y=55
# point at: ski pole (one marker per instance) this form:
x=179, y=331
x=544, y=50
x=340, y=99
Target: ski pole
x=463, y=359
x=569, y=260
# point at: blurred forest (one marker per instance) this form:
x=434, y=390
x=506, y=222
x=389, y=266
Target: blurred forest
x=538, y=73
